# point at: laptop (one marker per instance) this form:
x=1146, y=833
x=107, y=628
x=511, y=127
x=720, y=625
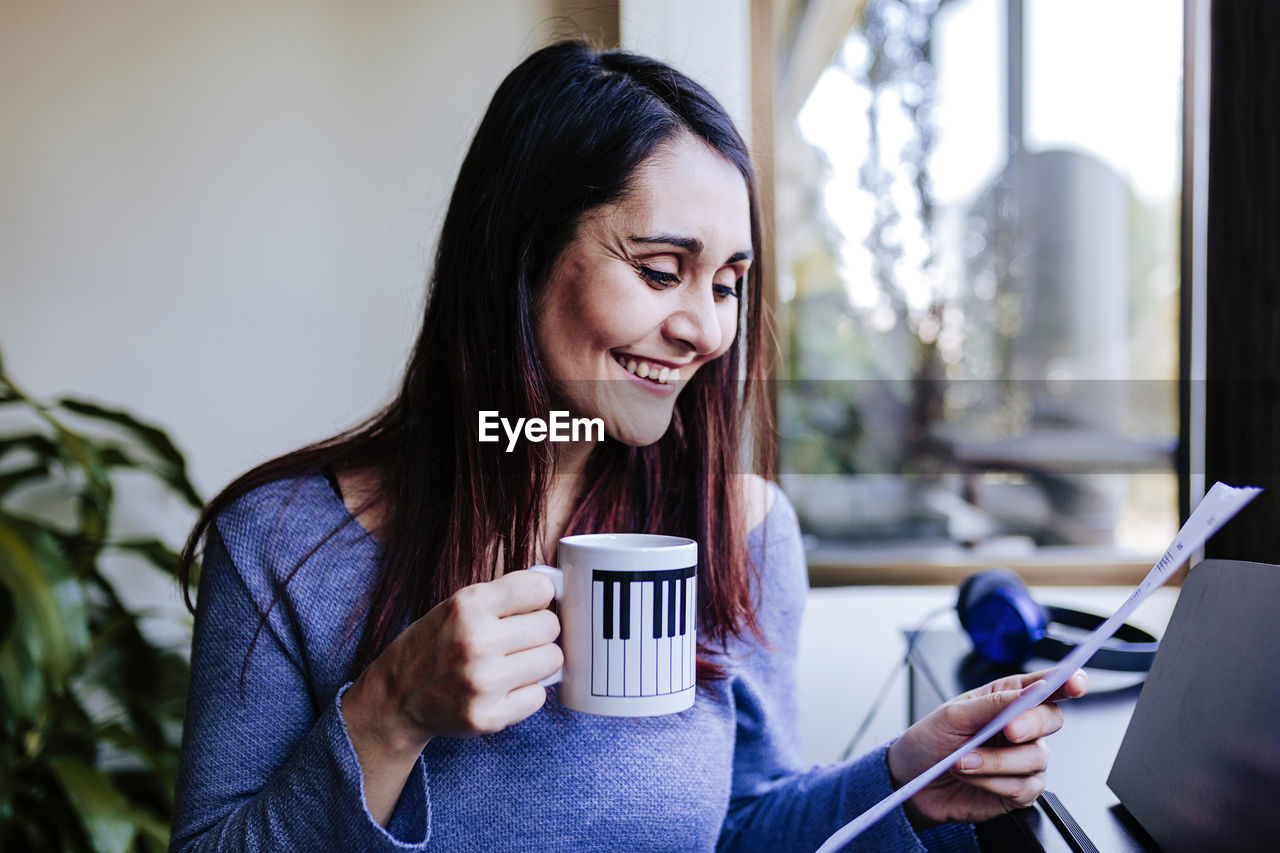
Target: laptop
x=1199, y=765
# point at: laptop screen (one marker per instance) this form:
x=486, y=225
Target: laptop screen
x=1199, y=766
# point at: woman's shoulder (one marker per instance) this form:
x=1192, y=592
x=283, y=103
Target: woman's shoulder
x=288, y=505
x=286, y=552
x=773, y=540
x=779, y=576
x=276, y=526
x=756, y=497
x=766, y=507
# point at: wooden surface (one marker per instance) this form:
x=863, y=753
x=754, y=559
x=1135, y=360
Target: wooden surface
x=947, y=565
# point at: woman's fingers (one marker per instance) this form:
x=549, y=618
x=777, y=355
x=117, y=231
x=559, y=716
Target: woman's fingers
x=472, y=663
x=1017, y=790
x=526, y=631
x=530, y=666
x=519, y=592
x=1074, y=687
x=967, y=714
x=504, y=690
x=1022, y=760
x=970, y=714
x=1041, y=721
x=1009, y=766
x=494, y=676
x=525, y=701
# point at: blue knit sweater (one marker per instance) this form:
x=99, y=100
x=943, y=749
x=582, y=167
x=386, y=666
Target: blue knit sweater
x=267, y=763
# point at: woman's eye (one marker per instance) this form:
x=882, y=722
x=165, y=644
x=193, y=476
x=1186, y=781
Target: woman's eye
x=724, y=291
x=660, y=277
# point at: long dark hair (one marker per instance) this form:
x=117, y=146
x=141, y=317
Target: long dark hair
x=563, y=135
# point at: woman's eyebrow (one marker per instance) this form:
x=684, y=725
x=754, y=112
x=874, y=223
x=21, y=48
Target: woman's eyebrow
x=692, y=245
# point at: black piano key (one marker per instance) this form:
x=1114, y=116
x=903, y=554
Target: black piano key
x=624, y=610
x=684, y=614
x=671, y=607
x=657, y=610
x=608, y=610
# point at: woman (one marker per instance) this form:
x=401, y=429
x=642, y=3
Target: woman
x=366, y=658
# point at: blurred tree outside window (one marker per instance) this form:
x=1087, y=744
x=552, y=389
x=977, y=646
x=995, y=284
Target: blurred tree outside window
x=979, y=277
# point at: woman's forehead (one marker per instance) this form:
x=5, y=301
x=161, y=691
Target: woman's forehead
x=685, y=188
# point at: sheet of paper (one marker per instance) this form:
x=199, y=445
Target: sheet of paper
x=1215, y=509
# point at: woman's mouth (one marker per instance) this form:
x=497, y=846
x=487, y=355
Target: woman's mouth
x=657, y=374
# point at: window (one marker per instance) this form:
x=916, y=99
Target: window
x=978, y=244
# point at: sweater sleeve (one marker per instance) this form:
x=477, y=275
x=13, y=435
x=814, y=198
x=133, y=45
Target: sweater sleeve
x=776, y=803
x=262, y=767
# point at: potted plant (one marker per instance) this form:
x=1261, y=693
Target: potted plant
x=90, y=706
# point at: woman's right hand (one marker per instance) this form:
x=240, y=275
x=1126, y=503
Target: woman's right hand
x=470, y=666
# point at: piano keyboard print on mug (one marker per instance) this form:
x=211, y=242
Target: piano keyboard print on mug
x=643, y=629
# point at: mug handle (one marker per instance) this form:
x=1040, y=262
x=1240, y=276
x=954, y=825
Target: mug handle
x=557, y=580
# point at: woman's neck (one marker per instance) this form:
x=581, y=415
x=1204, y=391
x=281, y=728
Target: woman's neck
x=564, y=490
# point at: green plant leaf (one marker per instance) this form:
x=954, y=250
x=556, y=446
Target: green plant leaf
x=79, y=452
x=127, y=741
x=104, y=812
x=153, y=437
x=114, y=456
x=153, y=551
x=45, y=593
x=41, y=446
x=12, y=479
x=24, y=688
x=174, y=465
x=153, y=831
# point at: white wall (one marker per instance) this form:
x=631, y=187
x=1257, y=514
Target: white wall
x=707, y=39
x=220, y=215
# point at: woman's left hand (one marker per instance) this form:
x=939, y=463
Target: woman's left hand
x=1005, y=773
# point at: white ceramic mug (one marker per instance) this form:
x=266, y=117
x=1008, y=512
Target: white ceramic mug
x=628, y=623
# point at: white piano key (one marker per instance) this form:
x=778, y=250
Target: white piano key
x=663, y=657
x=677, y=656
x=692, y=634
x=632, y=666
x=682, y=653
x=617, y=649
x=599, y=646
x=648, y=646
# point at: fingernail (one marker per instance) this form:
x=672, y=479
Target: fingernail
x=1018, y=729
x=971, y=762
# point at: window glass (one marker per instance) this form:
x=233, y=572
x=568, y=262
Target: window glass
x=978, y=277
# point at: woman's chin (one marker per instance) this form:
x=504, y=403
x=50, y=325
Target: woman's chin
x=638, y=429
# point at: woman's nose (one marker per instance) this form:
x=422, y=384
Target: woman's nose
x=696, y=322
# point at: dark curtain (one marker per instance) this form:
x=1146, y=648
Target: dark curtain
x=1243, y=266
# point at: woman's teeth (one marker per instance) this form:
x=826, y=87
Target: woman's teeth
x=653, y=372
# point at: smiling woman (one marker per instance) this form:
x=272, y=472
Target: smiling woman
x=366, y=646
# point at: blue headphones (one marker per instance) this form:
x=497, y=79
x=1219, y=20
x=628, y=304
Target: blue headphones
x=1006, y=626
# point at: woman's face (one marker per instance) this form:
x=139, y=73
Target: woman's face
x=647, y=291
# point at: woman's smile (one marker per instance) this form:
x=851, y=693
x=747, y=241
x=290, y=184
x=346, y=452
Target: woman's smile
x=650, y=370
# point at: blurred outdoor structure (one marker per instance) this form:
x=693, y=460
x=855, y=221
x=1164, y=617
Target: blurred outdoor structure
x=978, y=274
